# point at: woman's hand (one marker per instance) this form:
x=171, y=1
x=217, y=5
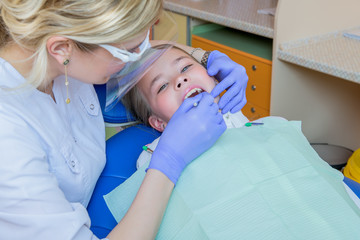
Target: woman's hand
x=194, y=128
x=232, y=77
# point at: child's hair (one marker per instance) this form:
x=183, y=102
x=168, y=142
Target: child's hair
x=135, y=101
x=88, y=23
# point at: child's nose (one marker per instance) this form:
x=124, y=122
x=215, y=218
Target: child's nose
x=181, y=81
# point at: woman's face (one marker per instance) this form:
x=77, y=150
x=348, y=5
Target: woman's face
x=174, y=77
x=97, y=66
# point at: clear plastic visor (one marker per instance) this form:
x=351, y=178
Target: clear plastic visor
x=121, y=82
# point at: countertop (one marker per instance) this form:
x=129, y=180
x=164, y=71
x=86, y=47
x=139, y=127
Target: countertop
x=332, y=53
x=238, y=14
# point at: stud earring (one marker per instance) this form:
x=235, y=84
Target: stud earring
x=66, y=81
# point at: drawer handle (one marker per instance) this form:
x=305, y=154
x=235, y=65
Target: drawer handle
x=253, y=87
x=253, y=110
x=253, y=67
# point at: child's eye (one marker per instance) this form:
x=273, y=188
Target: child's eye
x=162, y=87
x=186, y=68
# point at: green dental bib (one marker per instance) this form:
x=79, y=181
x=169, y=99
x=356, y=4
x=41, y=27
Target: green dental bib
x=258, y=182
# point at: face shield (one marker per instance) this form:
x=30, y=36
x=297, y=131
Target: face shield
x=136, y=63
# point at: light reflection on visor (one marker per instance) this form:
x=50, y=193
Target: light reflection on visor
x=120, y=83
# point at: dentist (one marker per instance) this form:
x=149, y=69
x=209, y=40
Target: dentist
x=52, y=138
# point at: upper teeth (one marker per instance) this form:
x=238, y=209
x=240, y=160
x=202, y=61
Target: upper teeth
x=199, y=90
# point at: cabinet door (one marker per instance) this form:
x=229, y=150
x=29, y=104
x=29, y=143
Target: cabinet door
x=259, y=73
x=253, y=112
x=259, y=84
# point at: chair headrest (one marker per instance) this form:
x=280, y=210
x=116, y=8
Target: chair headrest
x=119, y=114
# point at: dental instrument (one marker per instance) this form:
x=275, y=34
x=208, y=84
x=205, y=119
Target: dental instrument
x=147, y=149
x=249, y=124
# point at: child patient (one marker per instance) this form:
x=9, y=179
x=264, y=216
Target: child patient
x=174, y=77
x=258, y=182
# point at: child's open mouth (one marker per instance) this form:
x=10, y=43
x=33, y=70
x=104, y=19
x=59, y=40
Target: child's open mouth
x=193, y=92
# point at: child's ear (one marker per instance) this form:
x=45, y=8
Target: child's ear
x=157, y=123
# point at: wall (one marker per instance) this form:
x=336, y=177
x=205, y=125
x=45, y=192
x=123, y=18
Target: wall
x=329, y=107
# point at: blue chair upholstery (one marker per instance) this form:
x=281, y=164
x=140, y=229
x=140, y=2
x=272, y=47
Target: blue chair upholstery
x=353, y=185
x=122, y=151
x=119, y=114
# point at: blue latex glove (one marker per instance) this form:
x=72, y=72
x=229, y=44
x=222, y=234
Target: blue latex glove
x=232, y=77
x=189, y=133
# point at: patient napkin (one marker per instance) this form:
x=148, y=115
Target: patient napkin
x=260, y=182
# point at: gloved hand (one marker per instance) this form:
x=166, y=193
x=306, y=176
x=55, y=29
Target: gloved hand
x=190, y=132
x=232, y=77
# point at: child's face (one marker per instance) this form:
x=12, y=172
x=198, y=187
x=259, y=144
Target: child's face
x=172, y=78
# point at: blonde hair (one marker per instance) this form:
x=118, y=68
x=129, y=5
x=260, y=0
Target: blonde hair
x=138, y=106
x=30, y=23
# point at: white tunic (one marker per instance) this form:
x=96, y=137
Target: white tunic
x=51, y=155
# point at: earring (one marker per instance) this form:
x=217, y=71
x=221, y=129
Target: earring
x=66, y=81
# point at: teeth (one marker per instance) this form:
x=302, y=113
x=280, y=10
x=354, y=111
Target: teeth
x=192, y=91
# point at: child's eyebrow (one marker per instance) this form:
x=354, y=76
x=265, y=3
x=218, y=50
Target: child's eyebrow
x=178, y=59
x=154, y=81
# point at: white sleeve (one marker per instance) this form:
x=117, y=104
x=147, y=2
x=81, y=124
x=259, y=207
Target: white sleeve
x=235, y=120
x=32, y=206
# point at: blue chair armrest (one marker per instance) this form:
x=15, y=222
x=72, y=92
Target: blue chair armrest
x=122, y=152
x=353, y=185
x=119, y=114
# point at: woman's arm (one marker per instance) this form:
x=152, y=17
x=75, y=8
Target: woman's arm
x=147, y=209
x=190, y=132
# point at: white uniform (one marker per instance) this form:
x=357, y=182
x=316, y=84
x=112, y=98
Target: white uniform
x=51, y=155
x=232, y=120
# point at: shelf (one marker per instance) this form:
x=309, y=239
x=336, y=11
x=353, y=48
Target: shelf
x=246, y=42
x=237, y=14
x=332, y=54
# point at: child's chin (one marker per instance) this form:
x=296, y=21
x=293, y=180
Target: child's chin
x=216, y=100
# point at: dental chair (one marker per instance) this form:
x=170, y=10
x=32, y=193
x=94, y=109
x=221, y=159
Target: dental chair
x=122, y=151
